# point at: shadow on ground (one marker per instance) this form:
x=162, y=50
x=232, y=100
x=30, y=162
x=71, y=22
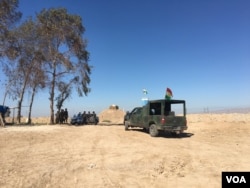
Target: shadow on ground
x=165, y=134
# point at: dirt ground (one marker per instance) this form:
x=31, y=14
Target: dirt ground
x=108, y=156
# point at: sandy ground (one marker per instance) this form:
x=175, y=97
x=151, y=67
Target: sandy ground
x=109, y=156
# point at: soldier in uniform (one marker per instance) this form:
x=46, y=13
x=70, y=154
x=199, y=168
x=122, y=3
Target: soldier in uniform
x=66, y=115
x=88, y=117
x=84, y=117
x=95, y=121
x=61, y=116
x=57, y=117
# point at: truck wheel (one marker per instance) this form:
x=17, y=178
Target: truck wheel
x=126, y=126
x=153, y=130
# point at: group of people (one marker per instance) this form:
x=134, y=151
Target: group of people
x=85, y=118
x=62, y=116
x=81, y=118
x=88, y=117
x=84, y=114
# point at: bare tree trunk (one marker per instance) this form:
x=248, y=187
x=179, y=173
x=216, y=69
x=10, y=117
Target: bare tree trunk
x=19, y=106
x=20, y=101
x=52, y=94
x=51, y=109
x=5, y=95
x=31, y=103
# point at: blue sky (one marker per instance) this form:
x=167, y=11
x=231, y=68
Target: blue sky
x=198, y=48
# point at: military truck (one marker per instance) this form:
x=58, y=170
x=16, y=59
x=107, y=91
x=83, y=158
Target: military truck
x=159, y=116
x=4, y=112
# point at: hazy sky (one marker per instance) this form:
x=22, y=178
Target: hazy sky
x=198, y=48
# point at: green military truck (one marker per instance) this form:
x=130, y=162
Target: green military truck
x=159, y=116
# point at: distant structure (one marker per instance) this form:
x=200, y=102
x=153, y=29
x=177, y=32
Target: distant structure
x=114, y=107
x=112, y=115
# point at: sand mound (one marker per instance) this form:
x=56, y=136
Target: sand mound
x=113, y=115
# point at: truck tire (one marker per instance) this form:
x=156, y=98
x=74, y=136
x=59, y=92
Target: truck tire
x=126, y=126
x=153, y=131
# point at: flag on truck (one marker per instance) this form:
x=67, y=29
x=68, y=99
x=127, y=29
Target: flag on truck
x=145, y=92
x=169, y=94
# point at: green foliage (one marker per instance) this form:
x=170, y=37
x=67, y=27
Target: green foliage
x=64, y=47
x=48, y=51
x=64, y=93
x=65, y=52
x=8, y=17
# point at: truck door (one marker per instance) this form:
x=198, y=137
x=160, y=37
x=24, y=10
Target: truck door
x=136, y=117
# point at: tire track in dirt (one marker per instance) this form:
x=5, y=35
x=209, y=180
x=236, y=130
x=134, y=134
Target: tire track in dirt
x=105, y=153
x=109, y=156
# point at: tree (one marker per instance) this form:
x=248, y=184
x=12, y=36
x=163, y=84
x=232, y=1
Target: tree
x=8, y=17
x=65, y=90
x=64, y=93
x=38, y=79
x=20, y=72
x=65, y=51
